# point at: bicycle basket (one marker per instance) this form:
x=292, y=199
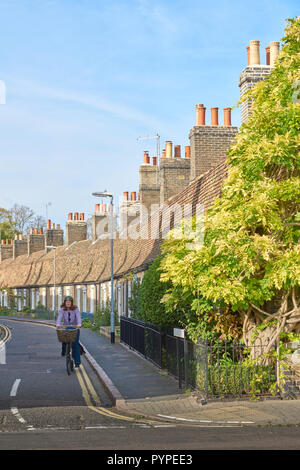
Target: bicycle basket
x=66, y=336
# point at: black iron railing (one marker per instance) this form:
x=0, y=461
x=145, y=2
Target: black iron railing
x=216, y=369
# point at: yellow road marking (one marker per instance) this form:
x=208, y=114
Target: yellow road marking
x=7, y=334
x=87, y=386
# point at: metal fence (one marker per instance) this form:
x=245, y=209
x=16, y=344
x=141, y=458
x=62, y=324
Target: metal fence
x=215, y=369
x=221, y=370
x=145, y=338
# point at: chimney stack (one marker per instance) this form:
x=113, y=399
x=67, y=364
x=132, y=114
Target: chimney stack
x=200, y=115
x=214, y=116
x=227, y=116
x=76, y=230
x=274, y=52
x=254, y=53
x=169, y=146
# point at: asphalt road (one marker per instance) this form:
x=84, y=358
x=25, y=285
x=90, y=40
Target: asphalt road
x=41, y=407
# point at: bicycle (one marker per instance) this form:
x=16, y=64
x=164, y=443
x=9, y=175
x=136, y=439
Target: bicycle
x=67, y=336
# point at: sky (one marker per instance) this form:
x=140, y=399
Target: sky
x=83, y=79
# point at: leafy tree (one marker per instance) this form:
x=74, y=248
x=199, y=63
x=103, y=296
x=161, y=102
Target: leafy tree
x=246, y=276
x=150, y=293
x=23, y=217
x=7, y=225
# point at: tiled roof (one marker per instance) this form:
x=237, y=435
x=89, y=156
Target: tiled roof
x=87, y=261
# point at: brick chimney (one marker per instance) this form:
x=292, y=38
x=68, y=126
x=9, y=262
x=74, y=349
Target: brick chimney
x=76, y=230
x=35, y=242
x=19, y=246
x=54, y=236
x=209, y=143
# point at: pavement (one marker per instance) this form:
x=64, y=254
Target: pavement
x=137, y=386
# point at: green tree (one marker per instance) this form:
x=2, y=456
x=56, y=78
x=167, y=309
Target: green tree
x=246, y=276
x=7, y=225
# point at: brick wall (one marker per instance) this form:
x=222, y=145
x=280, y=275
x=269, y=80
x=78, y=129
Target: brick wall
x=174, y=176
x=149, y=185
x=36, y=242
x=19, y=248
x=54, y=237
x=6, y=252
x=76, y=231
x=248, y=79
x=209, y=145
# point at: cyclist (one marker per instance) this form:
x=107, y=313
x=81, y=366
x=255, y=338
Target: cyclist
x=69, y=315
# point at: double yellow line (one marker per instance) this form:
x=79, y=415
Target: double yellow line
x=7, y=334
x=92, y=399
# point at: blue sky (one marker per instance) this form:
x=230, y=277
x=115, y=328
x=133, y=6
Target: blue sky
x=85, y=78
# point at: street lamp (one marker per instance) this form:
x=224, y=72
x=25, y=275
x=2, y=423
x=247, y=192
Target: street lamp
x=54, y=277
x=112, y=315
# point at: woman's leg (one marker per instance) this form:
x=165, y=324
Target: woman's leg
x=76, y=350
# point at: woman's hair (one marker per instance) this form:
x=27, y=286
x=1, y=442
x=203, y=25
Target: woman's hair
x=63, y=306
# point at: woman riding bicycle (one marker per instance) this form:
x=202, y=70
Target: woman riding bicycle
x=69, y=315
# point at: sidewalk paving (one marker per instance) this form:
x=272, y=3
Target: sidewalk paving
x=137, y=386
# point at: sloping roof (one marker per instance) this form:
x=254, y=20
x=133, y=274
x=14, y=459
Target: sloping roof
x=87, y=261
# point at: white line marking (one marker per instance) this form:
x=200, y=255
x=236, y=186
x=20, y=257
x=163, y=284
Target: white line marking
x=206, y=421
x=16, y=413
x=15, y=386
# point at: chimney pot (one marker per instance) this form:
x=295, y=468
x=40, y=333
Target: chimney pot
x=227, y=116
x=125, y=196
x=133, y=196
x=16, y=237
x=177, y=151
x=97, y=207
x=76, y=216
x=58, y=227
x=2, y=242
x=163, y=154
x=187, y=152
x=20, y=237
x=214, y=116
x=254, y=53
x=267, y=55
x=81, y=215
x=146, y=158
x=248, y=54
x=11, y=241
x=274, y=52
x=49, y=224
x=104, y=208
x=200, y=115
x=154, y=159
x=169, y=146
x=41, y=231
x=53, y=226
x=70, y=216
x=36, y=231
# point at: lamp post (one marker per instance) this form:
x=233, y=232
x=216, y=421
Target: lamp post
x=112, y=315
x=54, y=277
